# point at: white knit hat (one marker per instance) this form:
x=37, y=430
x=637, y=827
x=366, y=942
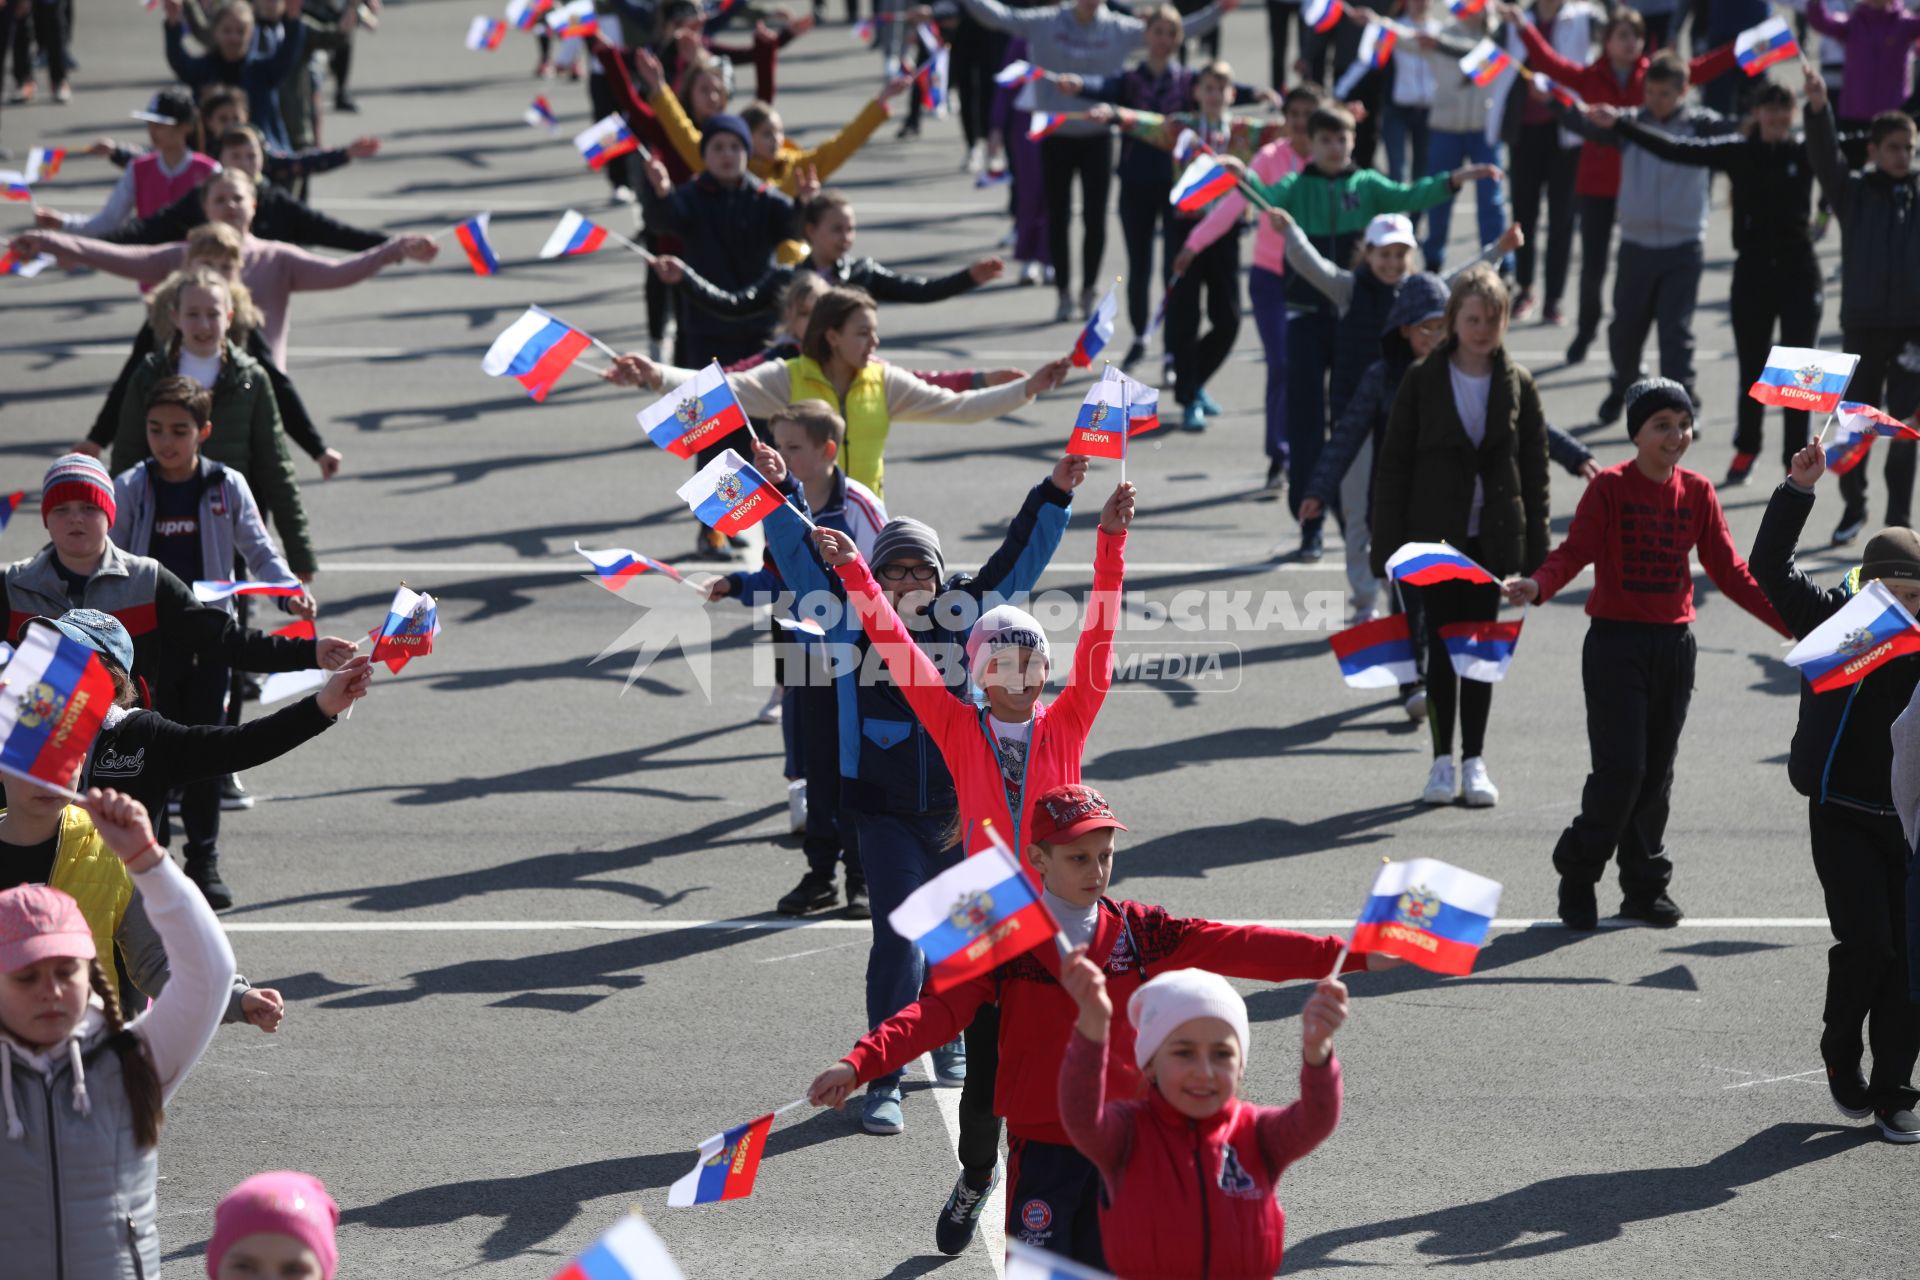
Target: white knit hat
x=1180, y=995
x=1003, y=627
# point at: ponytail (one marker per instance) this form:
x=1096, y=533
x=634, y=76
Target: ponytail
x=136, y=1068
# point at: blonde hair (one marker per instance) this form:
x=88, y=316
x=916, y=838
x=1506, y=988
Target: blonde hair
x=164, y=304
x=1481, y=282
x=216, y=240
x=1218, y=69
x=1162, y=13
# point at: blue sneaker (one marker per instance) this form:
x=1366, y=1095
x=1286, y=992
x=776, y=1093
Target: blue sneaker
x=881, y=1112
x=1195, y=418
x=1207, y=402
x=950, y=1064
x=960, y=1217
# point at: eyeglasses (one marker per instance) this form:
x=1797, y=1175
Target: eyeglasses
x=902, y=572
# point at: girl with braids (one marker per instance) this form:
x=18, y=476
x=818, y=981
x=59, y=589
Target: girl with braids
x=84, y=1093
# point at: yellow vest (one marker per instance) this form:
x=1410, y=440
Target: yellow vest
x=865, y=409
x=92, y=874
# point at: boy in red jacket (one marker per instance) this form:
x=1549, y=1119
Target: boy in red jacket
x=1638, y=524
x=1189, y=1172
x=1054, y=1191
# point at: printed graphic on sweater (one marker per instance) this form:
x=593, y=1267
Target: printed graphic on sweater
x=1036, y=1223
x=1654, y=546
x=1235, y=1180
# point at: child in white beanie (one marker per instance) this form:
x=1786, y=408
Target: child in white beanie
x=1189, y=1172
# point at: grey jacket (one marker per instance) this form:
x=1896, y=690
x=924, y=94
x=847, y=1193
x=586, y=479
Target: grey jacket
x=1059, y=42
x=1664, y=205
x=1906, y=768
x=229, y=522
x=1880, y=231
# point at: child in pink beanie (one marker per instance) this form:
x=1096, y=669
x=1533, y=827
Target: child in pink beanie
x=275, y=1224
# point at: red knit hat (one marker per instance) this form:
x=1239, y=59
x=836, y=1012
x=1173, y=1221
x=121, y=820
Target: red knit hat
x=77, y=478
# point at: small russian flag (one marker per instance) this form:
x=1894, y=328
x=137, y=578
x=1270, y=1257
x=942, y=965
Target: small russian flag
x=574, y=20
x=472, y=235
x=486, y=33
x=1098, y=332
x=1803, y=378
x=44, y=162
x=974, y=917
x=1142, y=401
x=1204, y=181
x=1100, y=429
x=617, y=566
x=1043, y=123
x=413, y=620
x=301, y=630
x=540, y=115
x=1377, y=654
x=535, y=349
x=1859, y=425
x=525, y=15
x=1428, y=913
x=1759, y=47
x=724, y=1167
x=16, y=184
x=213, y=590
x=1322, y=15
x=729, y=494
x=863, y=31
x=57, y=693
x=1376, y=44
x=932, y=79
x=1024, y=1262
x=1465, y=8
x=1481, y=650
x=691, y=417
x=1871, y=630
x=1187, y=146
x=1557, y=91
x=1017, y=72
x=12, y=264
x=604, y=140
x=1422, y=564
x=1485, y=63
x=574, y=236
x=9, y=505
x=630, y=1251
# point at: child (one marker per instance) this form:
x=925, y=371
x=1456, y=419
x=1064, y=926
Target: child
x=237, y=58
x=1463, y=461
x=172, y=170
x=78, y=1094
x=244, y=420
x=807, y=437
x=1409, y=106
x=1879, y=288
x=1054, y=1191
x=275, y=1226
x=1878, y=37
x=1457, y=129
x=1332, y=201
x=1842, y=761
x=1546, y=160
x=1638, y=524
x=1192, y=1130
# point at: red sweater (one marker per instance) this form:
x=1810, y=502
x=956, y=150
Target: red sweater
x=1598, y=82
x=959, y=727
x=1190, y=1198
x=1037, y=1014
x=1637, y=535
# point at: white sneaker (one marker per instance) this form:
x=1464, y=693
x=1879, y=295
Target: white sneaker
x=1416, y=705
x=797, y=807
x=976, y=158
x=623, y=195
x=1440, y=787
x=770, y=714
x=1475, y=785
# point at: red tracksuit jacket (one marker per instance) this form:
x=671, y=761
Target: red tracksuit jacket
x=1191, y=1199
x=1060, y=728
x=1131, y=942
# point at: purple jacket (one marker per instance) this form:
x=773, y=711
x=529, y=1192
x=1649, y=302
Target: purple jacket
x=1879, y=43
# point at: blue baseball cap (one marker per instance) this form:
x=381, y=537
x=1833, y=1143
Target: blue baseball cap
x=100, y=632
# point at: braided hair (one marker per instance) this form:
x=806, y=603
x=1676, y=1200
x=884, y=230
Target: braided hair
x=136, y=1068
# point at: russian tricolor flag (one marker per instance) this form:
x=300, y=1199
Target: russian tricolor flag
x=1465, y=8
x=540, y=115
x=1322, y=15
x=1017, y=72
x=44, y=162
x=1187, y=146
x=1377, y=654
x=526, y=14
x=1485, y=63
x=863, y=31
x=1481, y=650
x=1803, y=378
x=974, y=917
x=1864, y=419
x=472, y=235
x=17, y=185
x=695, y=414
x=574, y=20
x=536, y=349
x=9, y=505
x=630, y=1251
x=1557, y=91
x=1758, y=48
x=1042, y=124
x=1421, y=564
x=214, y=590
x=1098, y=332
x=604, y=140
x=575, y=235
x=724, y=1166
x=1376, y=44
x=413, y=620
x=617, y=566
x=1871, y=630
x=1204, y=181
x=486, y=33
x=1024, y=1262
x=1428, y=913
x=1847, y=451
x=53, y=695
x=932, y=79
x=729, y=495
x=1142, y=401
x=12, y=264
x=1100, y=429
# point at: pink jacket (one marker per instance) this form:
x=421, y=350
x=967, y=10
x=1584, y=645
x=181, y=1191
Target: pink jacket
x=1270, y=164
x=959, y=726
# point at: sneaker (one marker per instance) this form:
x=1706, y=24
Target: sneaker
x=1610, y=408
x=771, y=713
x=960, y=1216
x=1579, y=908
x=623, y=195
x=1554, y=315
x=1135, y=354
x=1194, y=419
x=1063, y=310
x=1087, y=303
x=1476, y=786
x=1661, y=912
x=204, y=870
x=1522, y=307
x=1440, y=784
x=347, y=105
x=1416, y=705
x=1276, y=475
x=815, y=892
x=22, y=94
x=797, y=806
x=950, y=1064
x=976, y=161
x=1577, y=349
x=1031, y=273
x=858, y=908
x=234, y=796
x=1740, y=472
x=63, y=93
x=1852, y=521
x=1898, y=1124
x=1312, y=546
x=1849, y=1090
x=911, y=129
x=880, y=1114
x=1207, y=402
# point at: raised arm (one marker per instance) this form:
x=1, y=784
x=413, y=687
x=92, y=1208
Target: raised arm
x=149, y=264
x=1717, y=151
x=310, y=271
x=1801, y=602
x=1314, y=267
x=1019, y=22
x=1285, y=1134
x=1101, y=1131
x=911, y=400
x=837, y=150
x=948, y=717
x=1086, y=689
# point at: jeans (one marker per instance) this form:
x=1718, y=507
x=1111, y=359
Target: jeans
x=1765, y=290
x=1884, y=379
x=1596, y=251
x=1196, y=356
x=1447, y=151
x=1091, y=159
x=1143, y=209
x=1655, y=287
x=1268, y=293
x=899, y=852
x=1310, y=341
x=1542, y=167
x=1403, y=130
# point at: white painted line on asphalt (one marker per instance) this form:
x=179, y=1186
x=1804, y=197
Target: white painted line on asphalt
x=993, y=1215
x=813, y=951
x=574, y=567
x=1798, y=1075
x=863, y=926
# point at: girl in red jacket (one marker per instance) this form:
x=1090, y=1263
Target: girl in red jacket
x=1189, y=1172
x=1054, y=1191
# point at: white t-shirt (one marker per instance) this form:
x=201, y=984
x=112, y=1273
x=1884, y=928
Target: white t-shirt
x=204, y=370
x=1010, y=744
x=1470, y=401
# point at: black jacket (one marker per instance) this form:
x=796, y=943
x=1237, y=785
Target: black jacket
x=729, y=234
x=1880, y=234
x=1772, y=186
x=762, y=297
x=146, y=755
x=294, y=419
x=1842, y=747
x=277, y=216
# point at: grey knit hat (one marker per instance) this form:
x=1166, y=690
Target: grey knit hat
x=1649, y=396
x=905, y=538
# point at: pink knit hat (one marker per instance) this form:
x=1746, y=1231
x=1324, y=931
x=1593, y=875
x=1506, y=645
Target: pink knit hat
x=283, y=1203
x=38, y=922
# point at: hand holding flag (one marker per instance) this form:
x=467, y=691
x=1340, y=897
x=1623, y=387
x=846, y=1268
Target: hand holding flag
x=413, y=620
x=695, y=414
x=1427, y=913
x=1100, y=428
x=54, y=694
x=472, y=235
x=1871, y=630
x=1804, y=378
x=730, y=495
x=536, y=349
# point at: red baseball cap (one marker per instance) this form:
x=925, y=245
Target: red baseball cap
x=1069, y=812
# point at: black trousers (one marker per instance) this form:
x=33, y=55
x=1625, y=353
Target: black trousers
x=828, y=840
x=41, y=22
x=1198, y=356
x=1638, y=678
x=1281, y=15
x=193, y=690
x=1655, y=289
x=977, y=54
x=1596, y=250
x=1437, y=607
x=1767, y=292
x=1884, y=379
x=979, y=1146
x=1053, y=1200
x=1091, y=160
x=1143, y=212
x=1861, y=859
x=1544, y=168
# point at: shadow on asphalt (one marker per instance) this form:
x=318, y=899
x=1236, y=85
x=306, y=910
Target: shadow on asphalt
x=1197, y=851
x=1579, y=1210
x=1308, y=737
